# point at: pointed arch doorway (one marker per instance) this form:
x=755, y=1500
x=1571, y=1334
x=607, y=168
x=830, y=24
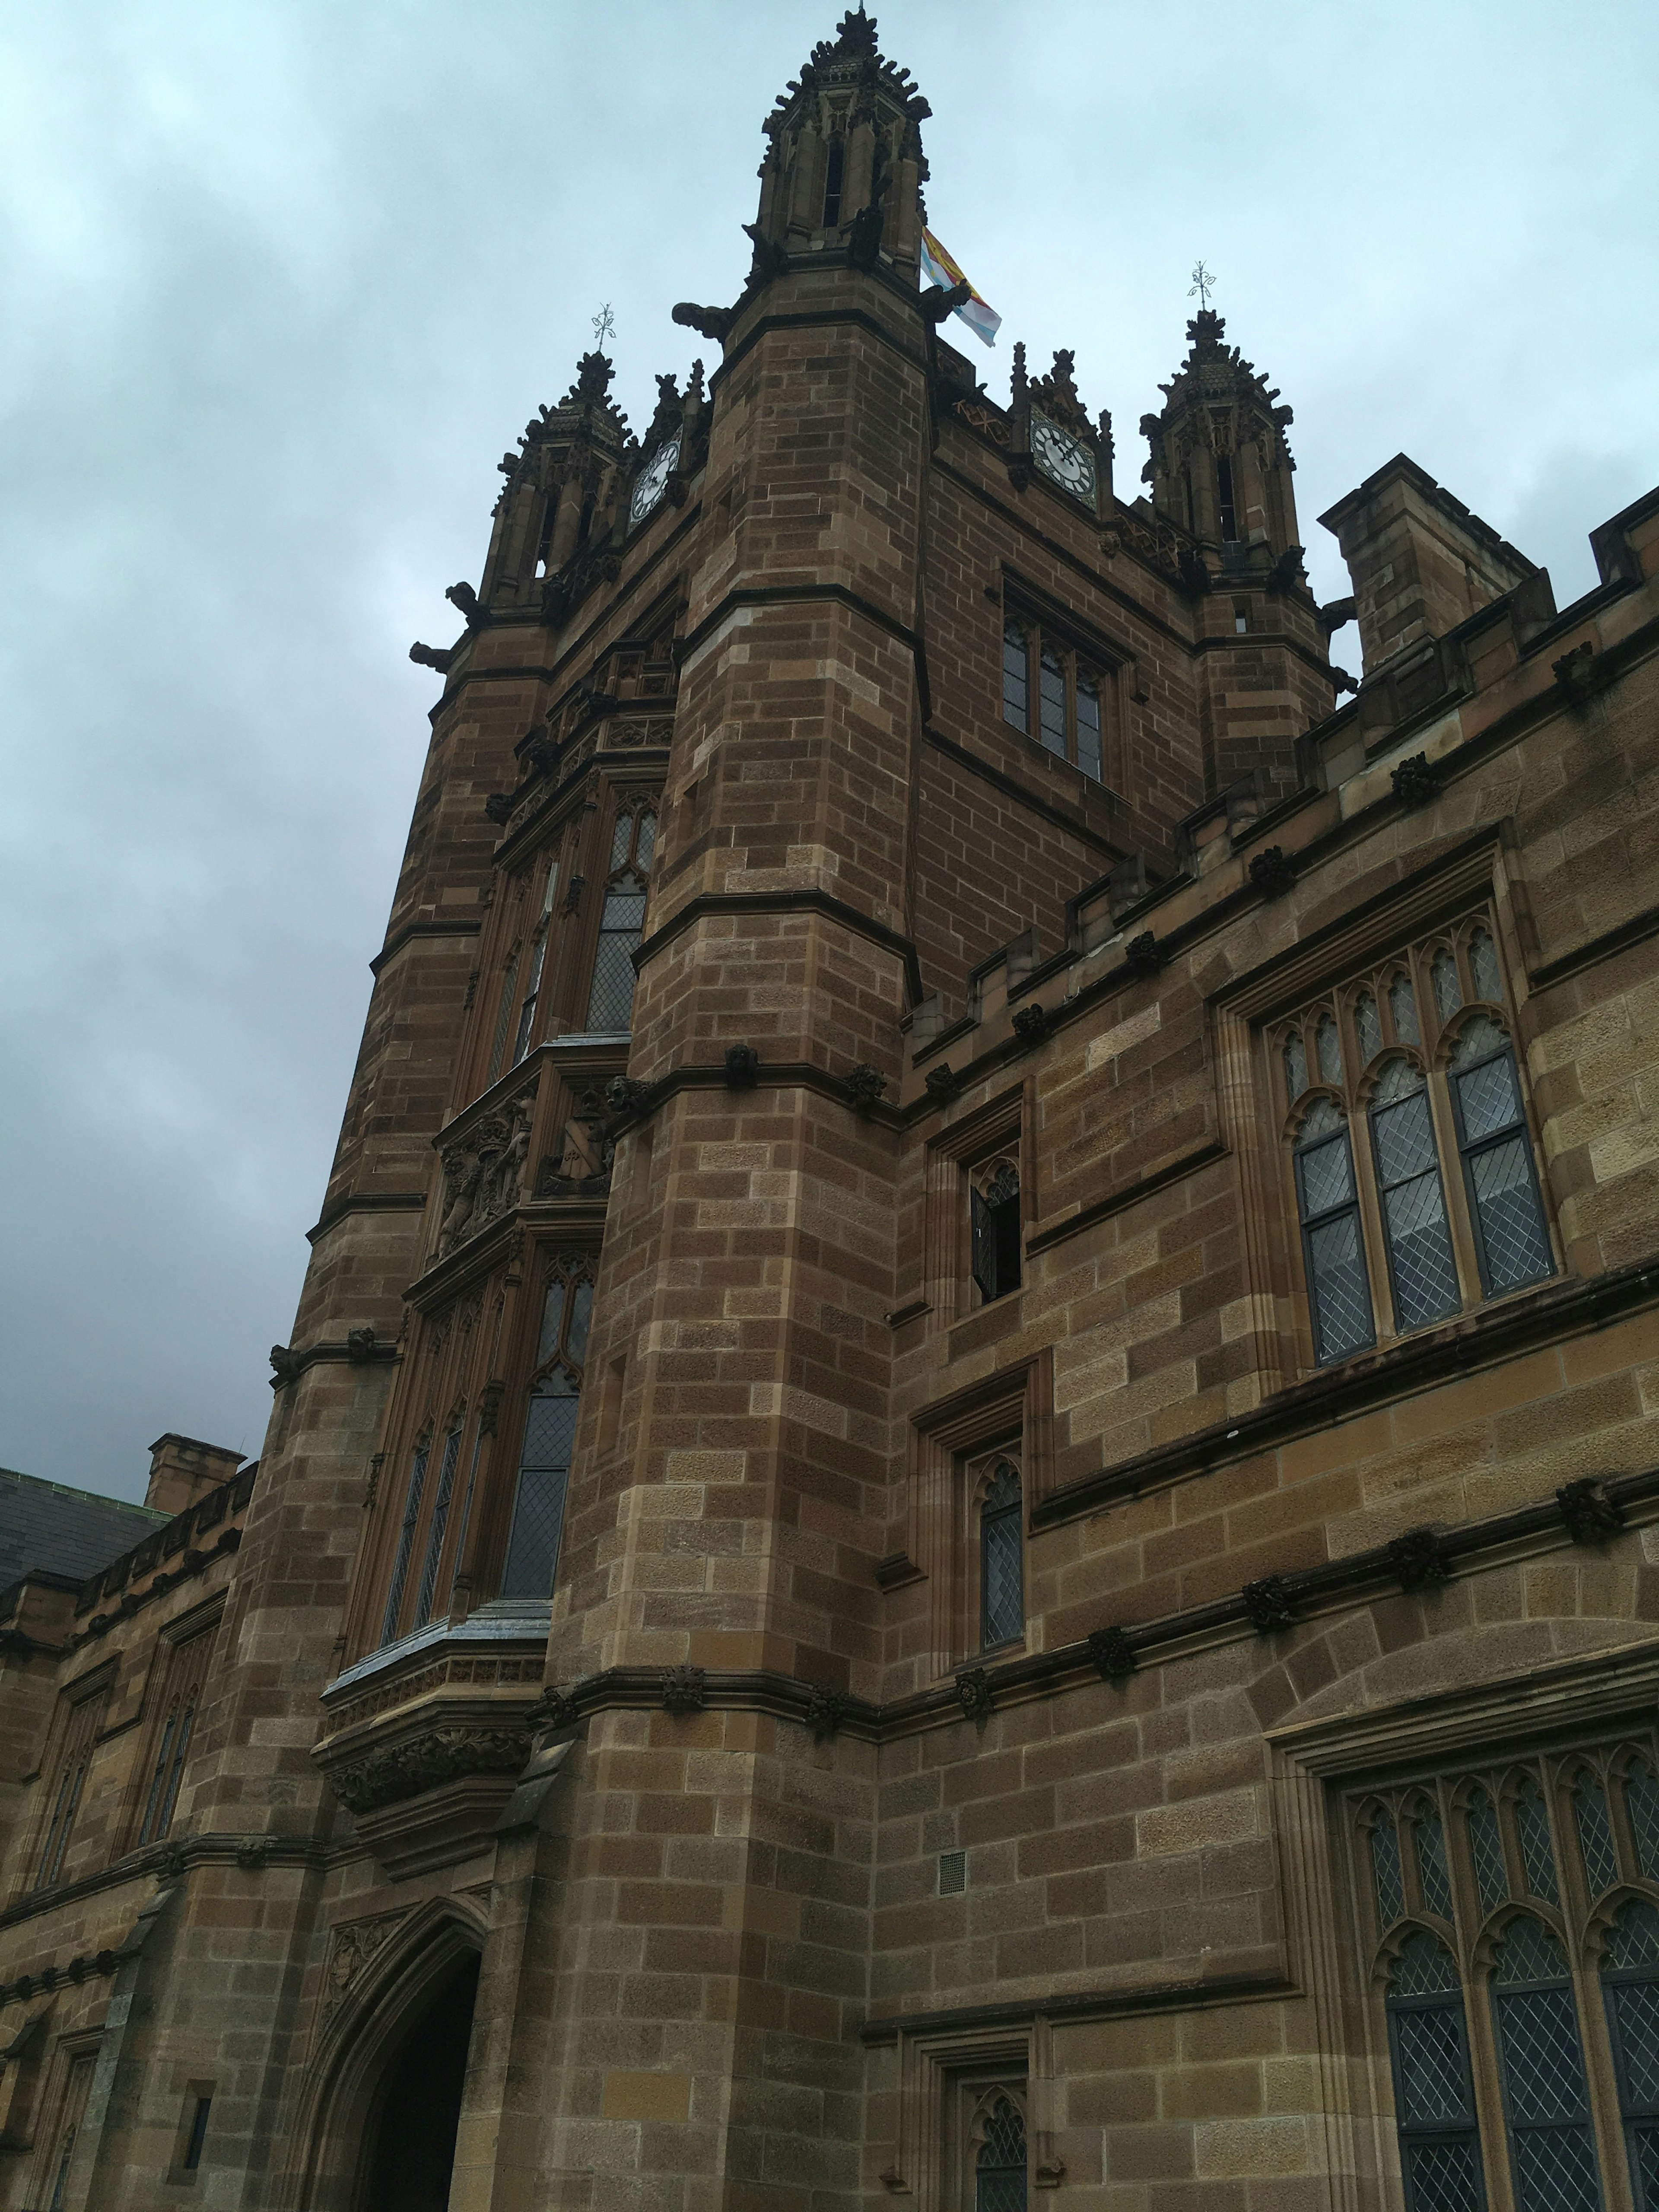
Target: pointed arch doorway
x=410, y=2135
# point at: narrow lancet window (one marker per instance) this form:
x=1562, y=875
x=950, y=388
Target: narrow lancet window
x=1329, y=1208
x=1001, y=1563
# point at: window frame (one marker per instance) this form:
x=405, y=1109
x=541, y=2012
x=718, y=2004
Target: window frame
x=987, y=1477
x=564, y=1352
x=626, y=878
x=996, y=1258
x=1079, y=667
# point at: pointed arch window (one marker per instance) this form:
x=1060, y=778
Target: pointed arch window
x=621, y=922
x=411, y=1521
x=1433, y=2088
x=85, y=1722
x=1328, y=1203
x=1541, y=2061
x=1000, y=2161
x=550, y=1433
x=1630, y=1992
x=993, y=1209
x=833, y=172
x=1418, y=1053
x=524, y=1036
x=181, y=1693
x=438, y=1526
x=1001, y=1558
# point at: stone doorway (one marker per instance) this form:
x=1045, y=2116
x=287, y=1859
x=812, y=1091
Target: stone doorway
x=418, y=2106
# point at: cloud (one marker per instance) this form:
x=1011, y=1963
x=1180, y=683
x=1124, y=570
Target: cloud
x=282, y=282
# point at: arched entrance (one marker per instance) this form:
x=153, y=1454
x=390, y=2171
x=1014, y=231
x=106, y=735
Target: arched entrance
x=417, y=2107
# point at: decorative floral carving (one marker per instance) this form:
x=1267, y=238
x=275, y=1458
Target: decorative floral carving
x=684, y=1689
x=1415, y=781
x=354, y=1946
x=866, y=1084
x=1588, y=1511
x=826, y=1709
x=1272, y=871
x=1112, y=1653
x=1417, y=1557
x=974, y=1690
x=1031, y=1025
x=425, y=1762
x=1267, y=1603
x=1143, y=955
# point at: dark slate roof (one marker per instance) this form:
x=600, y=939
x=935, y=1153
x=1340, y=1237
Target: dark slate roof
x=67, y=1532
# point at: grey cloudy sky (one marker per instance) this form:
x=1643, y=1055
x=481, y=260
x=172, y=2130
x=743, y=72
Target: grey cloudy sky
x=280, y=283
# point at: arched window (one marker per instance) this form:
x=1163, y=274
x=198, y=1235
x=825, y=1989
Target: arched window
x=622, y=922
x=1434, y=2094
x=1296, y=1067
x=438, y=1526
x=1402, y=1007
x=1497, y=1166
x=526, y=1034
x=186, y=1672
x=1492, y=1877
x=1429, y=1844
x=1387, y=1875
x=504, y=1014
x=1596, y=1848
x=1367, y=1028
x=1541, y=2062
x=394, y=1596
x=1532, y=1828
x=835, y=170
x=1051, y=691
x=550, y=1433
x=1002, y=1559
x=1642, y=1804
x=1422, y=1273
x=1000, y=2163
x=1015, y=677
x=1329, y=1209
x=1630, y=1990
x=993, y=1210
x=85, y=1719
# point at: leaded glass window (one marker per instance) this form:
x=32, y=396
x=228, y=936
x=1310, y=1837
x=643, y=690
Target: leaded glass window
x=1629, y=1991
x=526, y=1035
x=1497, y=1164
x=550, y=1433
x=1329, y=1206
x=1422, y=1273
x=438, y=1526
x=1001, y=1560
x=1425, y=1071
x=1477, y=1851
x=1074, y=698
x=411, y=1522
x=1641, y=1803
x=621, y=924
x=1552, y=2160
x=181, y=1691
x=1434, y=2093
x=999, y=2165
x=504, y=1013
x=85, y=1719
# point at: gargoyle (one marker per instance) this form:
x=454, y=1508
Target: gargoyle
x=433, y=656
x=941, y=301
x=708, y=322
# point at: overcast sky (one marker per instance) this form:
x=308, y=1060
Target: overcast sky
x=280, y=283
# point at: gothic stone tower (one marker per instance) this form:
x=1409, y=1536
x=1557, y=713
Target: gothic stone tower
x=979, y=1357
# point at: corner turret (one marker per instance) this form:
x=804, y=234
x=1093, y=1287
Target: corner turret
x=1220, y=465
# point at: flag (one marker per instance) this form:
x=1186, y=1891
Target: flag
x=983, y=321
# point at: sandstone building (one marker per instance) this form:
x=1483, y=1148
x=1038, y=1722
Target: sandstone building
x=1045, y=1230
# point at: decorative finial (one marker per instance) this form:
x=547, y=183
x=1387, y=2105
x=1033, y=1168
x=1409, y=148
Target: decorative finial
x=1203, y=283
x=605, y=326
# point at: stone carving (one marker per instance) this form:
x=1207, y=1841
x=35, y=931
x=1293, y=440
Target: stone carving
x=826, y=1709
x=742, y=1067
x=1271, y=872
x=1143, y=955
x=377, y=1460
x=708, y=322
x=1112, y=1653
x=425, y=1762
x=626, y=1094
x=284, y=1365
x=360, y=1346
x=1579, y=672
x=465, y=600
x=684, y=1689
x=483, y=1172
x=1417, y=1557
x=939, y=301
x=254, y=1851
x=1031, y=1025
x=1056, y=394
x=1588, y=1511
x=974, y=1690
x=1415, y=780
x=169, y=1864
x=866, y=1084
x=1267, y=1603
x=353, y=1946
x=431, y=656
x=552, y=1710
x=941, y=1084
x=499, y=807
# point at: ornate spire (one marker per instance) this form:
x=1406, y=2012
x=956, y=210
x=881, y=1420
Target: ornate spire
x=1220, y=465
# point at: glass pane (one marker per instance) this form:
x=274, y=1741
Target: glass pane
x=532, y=1550
x=1642, y=1800
x=1326, y=1177
x=552, y=1316
x=1002, y=1604
x=1053, y=698
x=1488, y=1098
x=1483, y=965
x=645, y=841
x=434, y=1539
x=1367, y=1026
x=1296, y=1067
x=582, y=1313
x=1324, y=1116
x=1448, y=991
x=1431, y=2083
x=1443, y=2177
x=1555, y=2169
x=1005, y=1488
x=1342, y=1306
x=1529, y=1953
x=1590, y=1813
x=1479, y=1037
x=1512, y=1228
x=1633, y=1938
x=1391, y=1898
x=1419, y=1245
x=1537, y=1856
x=1486, y=1850
x=1431, y=1864
x=509, y=994
x=999, y=2168
x=610, y=1002
x=1402, y=1005
x=394, y=1596
x=1088, y=726
x=1405, y=1135
x=1635, y=2007
x=1545, y=2098
x=549, y=1431
x=1016, y=678
x=622, y=835
x=1329, y=1048
x=1424, y=1968
x=1646, y=2144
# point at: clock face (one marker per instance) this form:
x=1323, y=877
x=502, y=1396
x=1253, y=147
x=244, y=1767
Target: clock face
x=652, y=479
x=1064, y=459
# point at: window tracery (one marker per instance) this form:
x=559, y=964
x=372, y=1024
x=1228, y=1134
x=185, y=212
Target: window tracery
x=622, y=922
x=549, y=1430
x=1410, y=1156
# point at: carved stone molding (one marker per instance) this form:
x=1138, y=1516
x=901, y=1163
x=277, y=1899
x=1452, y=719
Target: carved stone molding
x=353, y=1947
x=425, y=1762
